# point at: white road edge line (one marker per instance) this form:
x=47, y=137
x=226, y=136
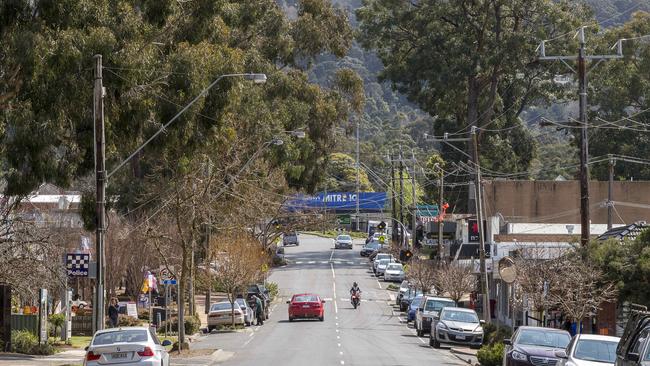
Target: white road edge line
x=379, y=283
x=331, y=255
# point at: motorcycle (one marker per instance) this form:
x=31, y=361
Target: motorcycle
x=356, y=299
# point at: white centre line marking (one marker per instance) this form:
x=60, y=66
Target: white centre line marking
x=379, y=283
x=331, y=255
x=333, y=274
x=341, y=353
x=342, y=362
x=311, y=262
x=339, y=344
x=337, y=324
x=337, y=331
x=338, y=337
x=249, y=340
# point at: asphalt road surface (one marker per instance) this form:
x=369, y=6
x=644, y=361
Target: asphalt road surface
x=374, y=334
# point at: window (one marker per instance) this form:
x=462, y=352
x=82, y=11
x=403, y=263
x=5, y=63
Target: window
x=121, y=336
x=154, y=336
x=220, y=306
x=459, y=316
x=437, y=305
x=306, y=298
x=640, y=340
x=543, y=338
x=596, y=350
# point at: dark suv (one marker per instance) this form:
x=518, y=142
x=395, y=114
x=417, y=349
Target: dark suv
x=634, y=347
x=290, y=238
x=263, y=293
x=535, y=346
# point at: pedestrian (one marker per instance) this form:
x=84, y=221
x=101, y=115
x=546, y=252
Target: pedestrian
x=259, y=309
x=113, y=312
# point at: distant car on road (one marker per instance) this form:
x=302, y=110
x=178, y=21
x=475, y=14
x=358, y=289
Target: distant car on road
x=306, y=306
x=290, y=238
x=408, y=297
x=404, y=287
x=343, y=241
x=587, y=349
x=381, y=266
x=378, y=258
x=429, y=308
x=221, y=314
x=456, y=326
x=535, y=346
x=127, y=345
x=370, y=248
x=394, y=272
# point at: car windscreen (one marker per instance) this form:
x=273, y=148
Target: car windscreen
x=372, y=245
x=121, y=336
x=416, y=302
x=384, y=262
x=543, y=338
x=596, y=350
x=305, y=298
x=220, y=306
x=437, y=305
x=394, y=267
x=382, y=256
x=344, y=237
x=242, y=303
x=459, y=316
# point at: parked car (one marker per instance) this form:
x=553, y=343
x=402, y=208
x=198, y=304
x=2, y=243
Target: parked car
x=221, y=313
x=373, y=237
x=343, y=241
x=456, y=326
x=408, y=297
x=535, y=346
x=381, y=266
x=132, y=345
x=429, y=308
x=247, y=310
x=588, y=349
x=379, y=257
x=290, y=238
x=370, y=248
x=634, y=347
x=306, y=306
x=403, y=288
x=413, y=308
x=394, y=272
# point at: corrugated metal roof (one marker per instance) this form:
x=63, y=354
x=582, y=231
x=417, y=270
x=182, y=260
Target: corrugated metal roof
x=629, y=232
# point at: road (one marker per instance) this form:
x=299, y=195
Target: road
x=372, y=335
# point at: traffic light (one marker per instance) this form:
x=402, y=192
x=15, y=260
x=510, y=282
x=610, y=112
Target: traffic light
x=405, y=255
x=381, y=226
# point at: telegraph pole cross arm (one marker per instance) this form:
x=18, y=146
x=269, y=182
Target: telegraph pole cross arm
x=582, y=72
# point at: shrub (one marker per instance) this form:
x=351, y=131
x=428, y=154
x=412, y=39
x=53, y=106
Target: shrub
x=23, y=341
x=273, y=289
x=45, y=349
x=125, y=321
x=491, y=336
x=56, y=320
x=143, y=314
x=491, y=355
x=192, y=324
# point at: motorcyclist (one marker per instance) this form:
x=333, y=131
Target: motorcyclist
x=355, y=290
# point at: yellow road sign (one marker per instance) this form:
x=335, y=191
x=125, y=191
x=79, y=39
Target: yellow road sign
x=382, y=239
x=265, y=268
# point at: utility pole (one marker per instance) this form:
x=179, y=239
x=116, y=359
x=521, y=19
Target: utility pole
x=479, y=218
x=485, y=291
x=393, y=201
x=582, y=58
x=401, y=198
x=415, y=203
x=100, y=179
x=441, y=182
x=610, y=188
x=358, y=163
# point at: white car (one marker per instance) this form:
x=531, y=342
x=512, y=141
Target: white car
x=589, y=350
x=394, y=272
x=379, y=257
x=248, y=312
x=221, y=314
x=343, y=241
x=381, y=266
x=127, y=345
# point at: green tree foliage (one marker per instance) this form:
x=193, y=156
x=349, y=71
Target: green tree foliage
x=622, y=90
x=158, y=55
x=627, y=265
x=471, y=63
x=341, y=175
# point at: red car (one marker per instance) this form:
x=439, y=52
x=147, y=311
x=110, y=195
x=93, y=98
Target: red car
x=306, y=306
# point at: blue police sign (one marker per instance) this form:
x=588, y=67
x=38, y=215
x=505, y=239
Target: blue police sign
x=77, y=264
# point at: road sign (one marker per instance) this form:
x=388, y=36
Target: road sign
x=169, y=282
x=77, y=264
x=265, y=268
x=165, y=274
x=382, y=239
x=343, y=219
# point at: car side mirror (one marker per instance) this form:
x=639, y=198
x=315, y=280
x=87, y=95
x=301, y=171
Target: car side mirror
x=507, y=342
x=288, y=301
x=482, y=321
x=86, y=348
x=166, y=343
x=322, y=301
x=436, y=317
x=634, y=357
x=561, y=354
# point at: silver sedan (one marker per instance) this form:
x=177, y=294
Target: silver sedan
x=128, y=345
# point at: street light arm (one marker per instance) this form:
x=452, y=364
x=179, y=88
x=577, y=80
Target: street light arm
x=255, y=77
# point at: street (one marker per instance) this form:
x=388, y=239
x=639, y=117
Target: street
x=371, y=335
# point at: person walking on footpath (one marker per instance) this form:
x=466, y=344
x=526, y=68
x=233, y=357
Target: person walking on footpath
x=113, y=313
x=259, y=308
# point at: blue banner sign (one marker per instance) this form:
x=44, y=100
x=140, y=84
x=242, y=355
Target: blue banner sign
x=338, y=201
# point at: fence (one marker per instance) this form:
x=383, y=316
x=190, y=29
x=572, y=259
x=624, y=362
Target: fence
x=25, y=322
x=82, y=325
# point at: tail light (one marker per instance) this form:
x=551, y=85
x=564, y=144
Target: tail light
x=148, y=352
x=90, y=356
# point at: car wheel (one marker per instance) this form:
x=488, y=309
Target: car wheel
x=290, y=319
x=210, y=328
x=321, y=318
x=248, y=324
x=419, y=332
x=434, y=343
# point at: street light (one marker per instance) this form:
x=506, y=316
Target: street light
x=101, y=176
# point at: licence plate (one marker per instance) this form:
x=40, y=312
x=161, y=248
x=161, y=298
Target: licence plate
x=119, y=356
x=305, y=306
x=460, y=337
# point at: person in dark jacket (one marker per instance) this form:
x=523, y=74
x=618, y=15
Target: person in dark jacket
x=113, y=313
x=259, y=310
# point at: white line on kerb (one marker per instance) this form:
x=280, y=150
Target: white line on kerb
x=333, y=274
x=379, y=283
